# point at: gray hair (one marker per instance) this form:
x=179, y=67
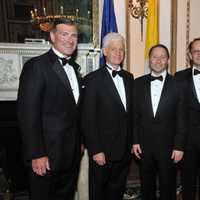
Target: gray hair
x=112, y=37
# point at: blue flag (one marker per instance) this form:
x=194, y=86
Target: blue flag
x=108, y=23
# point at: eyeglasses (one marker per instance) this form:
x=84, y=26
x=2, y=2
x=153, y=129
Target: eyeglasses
x=195, y=52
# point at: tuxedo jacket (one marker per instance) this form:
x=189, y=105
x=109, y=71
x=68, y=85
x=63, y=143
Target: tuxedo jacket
x=165, y=131
x=47, y=112
x=193, y=106
x=106, y=123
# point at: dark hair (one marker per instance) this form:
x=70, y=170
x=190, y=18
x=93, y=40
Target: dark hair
x=63, y=20
x=159, y=46
x=192, y=42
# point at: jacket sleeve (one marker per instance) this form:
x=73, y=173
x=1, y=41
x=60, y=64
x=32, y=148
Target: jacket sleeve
x=136, y=115
x=181, y=115
x=89, y=117
x=29, y=108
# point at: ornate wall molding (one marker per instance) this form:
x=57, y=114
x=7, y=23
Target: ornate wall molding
x=173, y=36
x=95, y=23
x=128, y=37
x=187, y=61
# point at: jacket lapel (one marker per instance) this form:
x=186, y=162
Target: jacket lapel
x=59, y=70
x=128, y=93
x=147, y=91
x=110, y=86
x=57, y=67
x=164, y=93
x=79, y=78
x=192, y=86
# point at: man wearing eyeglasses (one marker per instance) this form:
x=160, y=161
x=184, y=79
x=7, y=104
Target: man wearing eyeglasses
x=190, y=78
x=159, y=127
x=48, y=112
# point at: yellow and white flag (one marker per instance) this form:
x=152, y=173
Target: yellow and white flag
x=152, y=31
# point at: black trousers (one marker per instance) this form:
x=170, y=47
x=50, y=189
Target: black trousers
x=54, y=185
x=191, y=166
x=108, y=182
x=157, y=171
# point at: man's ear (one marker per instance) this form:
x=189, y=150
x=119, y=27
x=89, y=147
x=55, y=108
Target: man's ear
x=52, y=37
x=190, y=56
x=104, y=51
x=168, y=62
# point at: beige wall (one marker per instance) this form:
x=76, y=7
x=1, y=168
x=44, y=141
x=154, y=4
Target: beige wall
x=195, y=16
x=185, y=34
x=136, y=47
x=181, y=34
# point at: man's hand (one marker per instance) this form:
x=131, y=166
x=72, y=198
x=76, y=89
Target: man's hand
x=99, y=158
x=40, y=165
x=136, y=150
x=177, y=155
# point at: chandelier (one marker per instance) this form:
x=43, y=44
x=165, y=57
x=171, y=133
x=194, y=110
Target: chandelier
x=139, y=10
x=45, y=22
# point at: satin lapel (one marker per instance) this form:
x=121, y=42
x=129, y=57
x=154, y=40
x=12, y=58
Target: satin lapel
x=57, y=67
x=110, y=86
x=164, y=93
x=78, y=76
x=147, y=95
x=192, y=87
x=127, y=92
x=80, y=89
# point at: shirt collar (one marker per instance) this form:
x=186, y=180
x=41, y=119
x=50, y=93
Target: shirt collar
x=60, y=55
x=163, y=74
x=118, y=69
x=194, y=67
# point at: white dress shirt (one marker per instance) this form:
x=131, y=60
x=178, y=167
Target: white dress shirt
x=119, y=84
x=156, y=90
x=196, y=79
x=71, y=76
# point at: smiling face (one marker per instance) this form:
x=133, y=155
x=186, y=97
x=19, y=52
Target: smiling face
x=114, y=53
x=195, y=53
x=158, y=60
x=65, y=39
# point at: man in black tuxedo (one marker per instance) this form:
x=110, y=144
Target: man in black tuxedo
x=107, y=122
x=48, y=111
x=159, y=126
x=190, y=79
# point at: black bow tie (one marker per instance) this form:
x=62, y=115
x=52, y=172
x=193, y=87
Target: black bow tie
x=115, y=72
x=120, y=73
x=196, y=72
x=64, y=61
x=153, y=78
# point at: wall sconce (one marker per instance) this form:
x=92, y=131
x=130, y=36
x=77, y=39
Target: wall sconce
x=139, y=10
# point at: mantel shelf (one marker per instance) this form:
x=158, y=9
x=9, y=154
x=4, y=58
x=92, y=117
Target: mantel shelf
x=14, y=55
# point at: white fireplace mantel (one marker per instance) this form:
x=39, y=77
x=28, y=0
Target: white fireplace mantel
x=14, y=55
